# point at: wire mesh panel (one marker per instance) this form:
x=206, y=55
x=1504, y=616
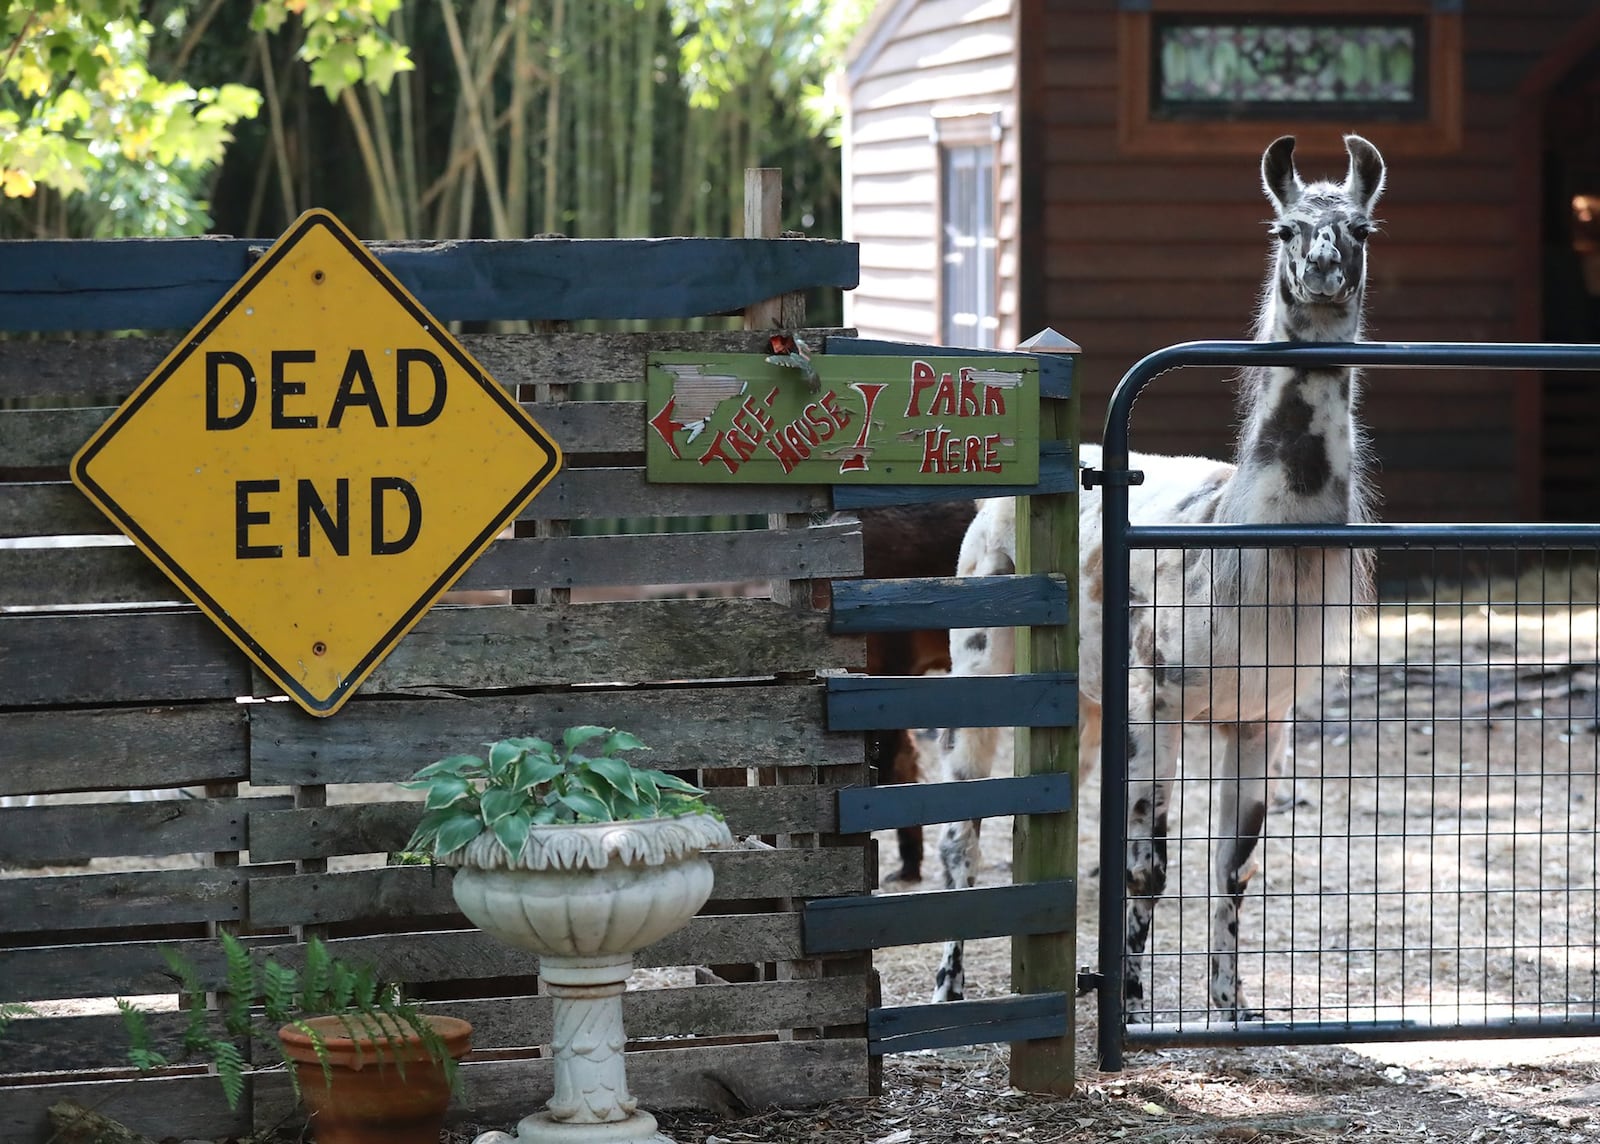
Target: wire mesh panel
x=1428, y=769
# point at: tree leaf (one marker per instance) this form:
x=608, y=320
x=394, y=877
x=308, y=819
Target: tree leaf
x=574, y=737
x=618, y=773
x=499, y=803
x=456, y=831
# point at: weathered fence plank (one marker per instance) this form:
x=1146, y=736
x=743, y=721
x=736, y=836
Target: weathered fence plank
x=110, y=368
x=837, y=925
x=527, y=645
x=170, y=283
x=178, y=654
x=864, y=809
x=42, y=835
x=949, y=602
x=138, y=657
x=59, y=1044
x=47, y=752
x=133, y=898
x=121, y=574
x=687, y=727
x=128, y=968
x=384, y=827
x=725, y=1079
x=1023, y=1017
x=181, y=1108
x=870, y=702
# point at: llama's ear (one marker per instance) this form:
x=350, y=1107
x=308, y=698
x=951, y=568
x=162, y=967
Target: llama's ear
x=1278, y=176
x=1364, y=183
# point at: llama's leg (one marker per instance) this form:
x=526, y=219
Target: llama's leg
x=1152, y=761
x=966, y=753
x=1252, y=751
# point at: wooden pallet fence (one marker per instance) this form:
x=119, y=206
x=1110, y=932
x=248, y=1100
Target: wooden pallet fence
x=1040, y=699
x=109, y=683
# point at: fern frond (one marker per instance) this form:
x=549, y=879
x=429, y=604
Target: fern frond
x=279, y=986
x=241, y=985
x=317, y=975
x=318, y=1046
x=230, y=1070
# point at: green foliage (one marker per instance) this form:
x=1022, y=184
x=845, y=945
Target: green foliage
x=10, y=1011
x=347, y=42
x=263, y=995
x=530, y=782
x=790, y=46
x=82, y=113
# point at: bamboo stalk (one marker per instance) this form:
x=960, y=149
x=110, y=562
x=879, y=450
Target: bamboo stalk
x=280, y=146
x=475, y=124
x=552, y=116
x=370, y=164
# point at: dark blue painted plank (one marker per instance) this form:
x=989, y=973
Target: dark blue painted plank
x=864, y=809
x=170, y=283
x=842, y=925
x=1058, y=473
x=950, y=602
x=1021, y=1017
x=886, y=702
x=1055, y=370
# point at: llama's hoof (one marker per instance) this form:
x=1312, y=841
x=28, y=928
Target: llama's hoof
x=1241, y=1016
x=1287, y=797
x=904, y=875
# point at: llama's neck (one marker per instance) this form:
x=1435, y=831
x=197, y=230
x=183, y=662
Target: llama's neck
x=1300, y=445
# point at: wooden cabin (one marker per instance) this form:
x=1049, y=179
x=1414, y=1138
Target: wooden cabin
x=1124, y=207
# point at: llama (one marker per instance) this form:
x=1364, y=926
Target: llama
x=898, y=542
x=1225, y=657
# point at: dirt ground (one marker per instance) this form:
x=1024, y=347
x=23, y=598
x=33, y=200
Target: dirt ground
x=1431, y=858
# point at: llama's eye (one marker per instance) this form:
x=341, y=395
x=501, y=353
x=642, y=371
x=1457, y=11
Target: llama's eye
x=1283, y=232
x=1360, y=230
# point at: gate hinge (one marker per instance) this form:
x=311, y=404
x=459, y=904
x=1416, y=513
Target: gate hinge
x=1089, y=981
x=1093, y=477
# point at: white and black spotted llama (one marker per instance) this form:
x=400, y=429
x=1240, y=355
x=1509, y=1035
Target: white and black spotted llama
x=1210, y=650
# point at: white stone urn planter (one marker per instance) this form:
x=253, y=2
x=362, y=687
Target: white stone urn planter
x=585, y=897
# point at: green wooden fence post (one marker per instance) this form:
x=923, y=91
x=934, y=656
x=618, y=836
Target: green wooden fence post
x=1045, y=846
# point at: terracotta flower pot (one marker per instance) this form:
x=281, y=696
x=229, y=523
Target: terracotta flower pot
x=384, y=1091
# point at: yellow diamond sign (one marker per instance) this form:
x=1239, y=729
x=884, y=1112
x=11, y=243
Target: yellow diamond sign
x=316, y=462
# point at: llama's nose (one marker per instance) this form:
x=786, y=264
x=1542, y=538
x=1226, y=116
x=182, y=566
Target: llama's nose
x=1325, y=256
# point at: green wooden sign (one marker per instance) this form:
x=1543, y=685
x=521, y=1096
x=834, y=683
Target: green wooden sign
x=740, y=418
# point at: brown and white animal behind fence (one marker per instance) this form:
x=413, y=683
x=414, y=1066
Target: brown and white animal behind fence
x=1223, y=637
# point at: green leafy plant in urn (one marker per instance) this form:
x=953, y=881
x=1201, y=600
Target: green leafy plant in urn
x=571, y=852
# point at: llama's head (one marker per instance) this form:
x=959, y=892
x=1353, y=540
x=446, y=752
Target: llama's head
x=1321, y=228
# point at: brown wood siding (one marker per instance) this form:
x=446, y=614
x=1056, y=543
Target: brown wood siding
x=1139, y=252
x=942, y=58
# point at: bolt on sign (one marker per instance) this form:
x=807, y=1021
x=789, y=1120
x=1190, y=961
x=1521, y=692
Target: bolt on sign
x=844, y=419
x=316, y=462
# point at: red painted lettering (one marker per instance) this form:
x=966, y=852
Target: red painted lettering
x=786, y=455
x=822, y=424
x=994, y=400
x=716, y=452
x=944, y=398
x=933, y=451
x=969, y=393
x=841, y=418
x=922, y=376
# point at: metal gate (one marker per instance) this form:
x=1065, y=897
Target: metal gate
x=1428, y=870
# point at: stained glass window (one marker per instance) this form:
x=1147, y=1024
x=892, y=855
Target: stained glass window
x=1301, y=68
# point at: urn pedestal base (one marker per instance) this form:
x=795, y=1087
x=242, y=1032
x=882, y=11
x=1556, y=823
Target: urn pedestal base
x=584, y=898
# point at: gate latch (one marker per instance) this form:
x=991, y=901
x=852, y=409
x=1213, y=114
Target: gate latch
x=1089, y=981
x=1093, y=477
